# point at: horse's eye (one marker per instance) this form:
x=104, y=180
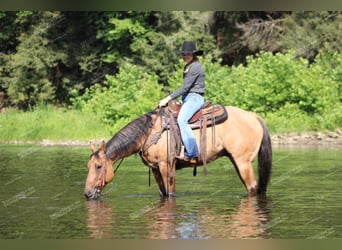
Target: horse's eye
x=98, y=167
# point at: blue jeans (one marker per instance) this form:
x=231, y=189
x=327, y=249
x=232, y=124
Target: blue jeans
x=191, y=104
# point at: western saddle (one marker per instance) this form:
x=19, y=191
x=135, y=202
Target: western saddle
x=208, y=116
x=213, y=114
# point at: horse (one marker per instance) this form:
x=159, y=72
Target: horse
x=242, y=137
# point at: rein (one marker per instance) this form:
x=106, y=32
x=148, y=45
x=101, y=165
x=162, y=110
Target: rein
x=117, y=167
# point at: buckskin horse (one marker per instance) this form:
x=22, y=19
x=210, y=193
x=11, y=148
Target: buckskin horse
x=240, y=137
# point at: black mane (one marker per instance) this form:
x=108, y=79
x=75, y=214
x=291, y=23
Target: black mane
x=126, y=141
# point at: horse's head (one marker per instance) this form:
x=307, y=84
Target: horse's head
x=100, y=172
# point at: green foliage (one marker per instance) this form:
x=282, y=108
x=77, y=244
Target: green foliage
x=126, y=96
x=217, y=77
x=149, y=38
x=28, y=82
x=51, y=57
x=8, y=32
x=268, y=82
x=307, y=31
x=123, y=33
x=243, y=33
x=288, y=91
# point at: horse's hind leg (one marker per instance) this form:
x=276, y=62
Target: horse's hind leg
x=246, y=173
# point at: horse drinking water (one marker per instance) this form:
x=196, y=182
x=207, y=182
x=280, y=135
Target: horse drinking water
x=241, y=138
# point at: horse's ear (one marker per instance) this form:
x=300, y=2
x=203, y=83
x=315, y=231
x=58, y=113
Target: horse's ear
x=103, y=147
x=92, y=147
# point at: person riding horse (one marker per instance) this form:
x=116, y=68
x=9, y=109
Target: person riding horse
x=192, y=92
x=242, y=137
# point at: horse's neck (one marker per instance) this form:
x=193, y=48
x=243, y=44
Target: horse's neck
x=124, y=151
x=130, y=139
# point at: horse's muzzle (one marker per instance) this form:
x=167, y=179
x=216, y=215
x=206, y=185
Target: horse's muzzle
x=92, y=194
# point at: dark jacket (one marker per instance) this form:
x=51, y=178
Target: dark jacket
x=193, y=80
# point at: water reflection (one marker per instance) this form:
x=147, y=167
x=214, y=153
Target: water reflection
x=249, y=220
x=99, y=219
x=164, y=220
x=167, y=220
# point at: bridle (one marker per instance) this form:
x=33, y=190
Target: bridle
x=112, y=187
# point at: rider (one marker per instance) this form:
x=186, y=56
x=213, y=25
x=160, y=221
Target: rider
x=192, y=92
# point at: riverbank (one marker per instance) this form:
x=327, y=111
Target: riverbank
x=331, y=138
x=49, y=126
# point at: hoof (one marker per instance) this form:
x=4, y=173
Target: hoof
x=172, y=194
x=252, y=191
x=162, y=194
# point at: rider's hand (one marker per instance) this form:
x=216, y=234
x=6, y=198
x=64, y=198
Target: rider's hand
x=164, y=101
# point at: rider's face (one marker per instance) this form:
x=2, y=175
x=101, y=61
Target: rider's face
x=187, y=57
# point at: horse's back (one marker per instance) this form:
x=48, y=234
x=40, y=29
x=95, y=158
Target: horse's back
x=242, y=129
x=238, y=116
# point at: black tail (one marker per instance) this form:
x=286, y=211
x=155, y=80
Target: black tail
x=264, y=159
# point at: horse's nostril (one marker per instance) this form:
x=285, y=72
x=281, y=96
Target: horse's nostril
x=87, y=194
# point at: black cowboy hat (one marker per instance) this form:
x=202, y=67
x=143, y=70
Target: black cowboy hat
x=189, y=47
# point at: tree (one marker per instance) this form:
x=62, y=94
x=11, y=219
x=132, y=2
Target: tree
x=27, y=71
x=239, y=34
x=127, y=95
x=149, y=38
x=56, y=56
x=242, y=33
x=51, y=57
x=308, y=31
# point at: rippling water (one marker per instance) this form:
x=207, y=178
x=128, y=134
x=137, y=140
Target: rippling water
x=41, y=195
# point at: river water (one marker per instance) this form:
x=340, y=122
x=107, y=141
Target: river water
x=41, y=197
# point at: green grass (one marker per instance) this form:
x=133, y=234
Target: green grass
x=57, y=124
x=52, y=124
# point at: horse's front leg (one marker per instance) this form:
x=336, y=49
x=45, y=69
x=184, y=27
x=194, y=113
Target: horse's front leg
x=166, y=179
x=159, y=179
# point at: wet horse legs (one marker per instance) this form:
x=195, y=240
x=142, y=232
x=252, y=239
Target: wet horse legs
x=167, y=185
x=246, y=173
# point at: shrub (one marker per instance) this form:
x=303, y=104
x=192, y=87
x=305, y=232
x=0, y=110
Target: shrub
x=290, y=93
x=125, y=96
